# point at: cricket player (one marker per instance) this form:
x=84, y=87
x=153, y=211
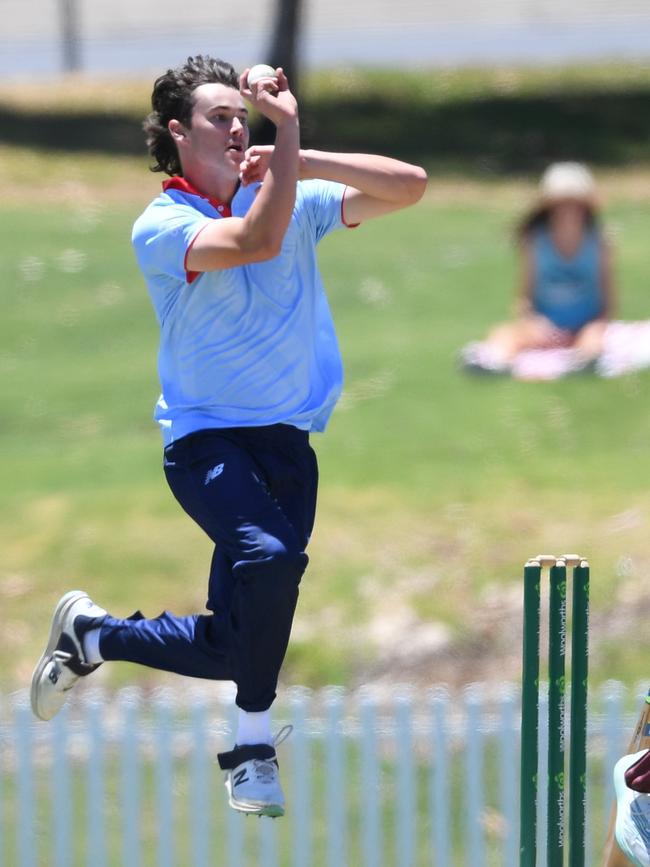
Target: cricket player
x=632, y=784
x=249, y=367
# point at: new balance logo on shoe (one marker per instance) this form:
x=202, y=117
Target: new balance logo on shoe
x=212, y=474
x=240, y=776
x=252, y=779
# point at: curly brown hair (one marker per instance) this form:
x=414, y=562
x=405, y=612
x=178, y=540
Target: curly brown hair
x=172, y=98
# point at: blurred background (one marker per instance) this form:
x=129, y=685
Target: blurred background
x=133, y=37
x=435, y=486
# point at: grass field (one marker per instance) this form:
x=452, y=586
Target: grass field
x=435, y=486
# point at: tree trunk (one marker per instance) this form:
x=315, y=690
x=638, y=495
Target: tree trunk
x=283, y=51
x=70, y=35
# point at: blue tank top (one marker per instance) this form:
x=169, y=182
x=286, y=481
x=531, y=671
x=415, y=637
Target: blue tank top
x=569, y=292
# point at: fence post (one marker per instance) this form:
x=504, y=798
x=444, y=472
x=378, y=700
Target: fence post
x=60, y=791
x=130, y=777
x=95, y=776
x=370, y=782
x=614, y=733
x=406, y=781
x=474, y=780
x=164, y=781
x=440, y=796
x=508, y=774
x=616, y=736
x=26, y=819
x=335, y=780
x=199, y=785
x=268, y=843
x=301, y=802
x=234, y=820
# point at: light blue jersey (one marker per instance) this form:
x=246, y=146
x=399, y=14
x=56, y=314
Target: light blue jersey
x=569, y=292
x=246, y=346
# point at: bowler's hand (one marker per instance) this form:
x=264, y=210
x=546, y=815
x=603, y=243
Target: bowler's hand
x=255, y=163
x=271, y=98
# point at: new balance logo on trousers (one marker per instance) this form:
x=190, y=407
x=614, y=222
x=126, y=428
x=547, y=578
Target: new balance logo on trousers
x=212, y=474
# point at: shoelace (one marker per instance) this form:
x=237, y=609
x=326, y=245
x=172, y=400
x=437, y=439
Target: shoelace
x=266, y=771
x=282, y=735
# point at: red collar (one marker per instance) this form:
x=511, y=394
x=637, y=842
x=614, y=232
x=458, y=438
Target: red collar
x=178, y=183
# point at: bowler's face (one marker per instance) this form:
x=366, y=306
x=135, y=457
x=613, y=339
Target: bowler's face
x=218, y=136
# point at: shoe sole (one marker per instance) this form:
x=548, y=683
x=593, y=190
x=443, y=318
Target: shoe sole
x=274, y=811
x=63, y=606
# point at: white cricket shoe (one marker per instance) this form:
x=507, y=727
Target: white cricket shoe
x=253, y=779
x=63, y=661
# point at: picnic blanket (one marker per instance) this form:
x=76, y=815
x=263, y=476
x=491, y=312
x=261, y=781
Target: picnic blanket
x=626, y=349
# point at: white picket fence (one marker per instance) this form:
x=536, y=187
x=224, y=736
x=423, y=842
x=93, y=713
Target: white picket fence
x=405, y=780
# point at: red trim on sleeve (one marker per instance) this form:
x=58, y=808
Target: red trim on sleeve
x=192, y=275
x=343, y=220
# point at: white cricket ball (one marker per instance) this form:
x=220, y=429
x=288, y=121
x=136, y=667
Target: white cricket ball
x=259, y=71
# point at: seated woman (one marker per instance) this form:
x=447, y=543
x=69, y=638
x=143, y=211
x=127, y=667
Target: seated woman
x=566, y=293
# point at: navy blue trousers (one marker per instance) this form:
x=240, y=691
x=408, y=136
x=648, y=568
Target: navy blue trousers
x=253, y=491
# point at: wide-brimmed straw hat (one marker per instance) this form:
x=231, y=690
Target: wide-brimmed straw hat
x=567, y=181
x=561, y=182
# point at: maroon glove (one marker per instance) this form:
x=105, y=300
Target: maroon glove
x=637, y=775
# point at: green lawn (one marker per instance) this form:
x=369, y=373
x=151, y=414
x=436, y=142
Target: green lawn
x=435, y=486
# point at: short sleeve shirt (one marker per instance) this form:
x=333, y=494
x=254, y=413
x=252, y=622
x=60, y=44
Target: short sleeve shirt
x=245, y=346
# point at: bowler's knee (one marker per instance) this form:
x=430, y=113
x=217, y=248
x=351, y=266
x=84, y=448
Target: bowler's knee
x=290, y=562
x=282, y=563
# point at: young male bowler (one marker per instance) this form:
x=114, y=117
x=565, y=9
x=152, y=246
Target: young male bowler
x=249, y=367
